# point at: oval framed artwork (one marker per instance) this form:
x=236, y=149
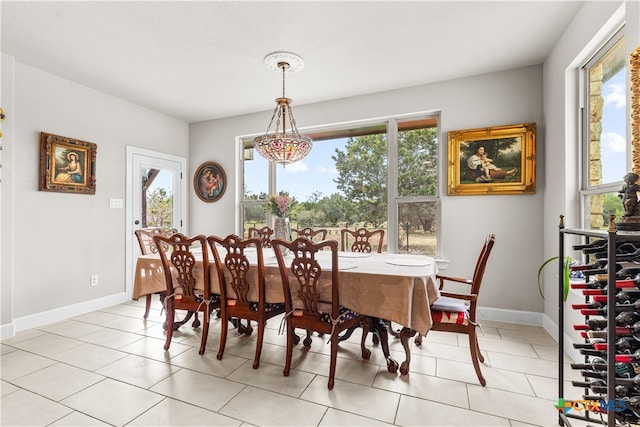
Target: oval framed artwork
x=209, y=182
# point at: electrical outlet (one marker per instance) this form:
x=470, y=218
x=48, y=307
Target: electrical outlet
x=94, y=280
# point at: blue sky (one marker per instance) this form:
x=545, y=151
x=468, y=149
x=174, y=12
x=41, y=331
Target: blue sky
x=613, y=138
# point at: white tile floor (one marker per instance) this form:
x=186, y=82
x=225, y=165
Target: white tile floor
x=109, y=368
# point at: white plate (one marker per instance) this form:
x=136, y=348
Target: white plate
x=354, y=254
x=408, y=262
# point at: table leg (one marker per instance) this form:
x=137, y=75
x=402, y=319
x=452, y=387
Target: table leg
x=379, y=328
x=405, y=334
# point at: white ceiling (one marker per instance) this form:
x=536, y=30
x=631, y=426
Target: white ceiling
x=203, y=60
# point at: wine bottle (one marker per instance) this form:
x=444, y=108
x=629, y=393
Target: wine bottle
x=598, y=263
x=588, y=345
x=622, y=247
x=592, y=366
x=593, y=244
x=626, y=315
x=620, y=390
x=634, y=292
x=634, y=381
x=602, y=284
x=594, y=384
x=625, y=318
x=622, y=345
x=622, y=296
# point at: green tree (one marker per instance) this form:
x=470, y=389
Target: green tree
x=334, y=208
x=418, y=162
x=159, y=208
x=362, y=176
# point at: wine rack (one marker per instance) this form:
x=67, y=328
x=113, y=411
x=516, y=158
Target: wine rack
x=601, y=380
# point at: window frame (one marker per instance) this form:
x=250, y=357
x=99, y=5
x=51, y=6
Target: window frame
x=393, y=198
x=586, y=189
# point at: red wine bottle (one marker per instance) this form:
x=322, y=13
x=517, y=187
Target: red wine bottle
x=623, y=296
x=622, y=345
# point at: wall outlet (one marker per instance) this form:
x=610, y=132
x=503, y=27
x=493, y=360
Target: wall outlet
x=94, y=280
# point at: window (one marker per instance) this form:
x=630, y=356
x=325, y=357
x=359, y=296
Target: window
x=375, y=175
x=604, y=142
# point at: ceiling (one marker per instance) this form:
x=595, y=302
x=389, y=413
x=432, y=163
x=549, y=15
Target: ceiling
x=198, y=61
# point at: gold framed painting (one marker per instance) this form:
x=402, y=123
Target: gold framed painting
x=67, y=165
x=492, y=160
x=209, y=182
x=635, y=109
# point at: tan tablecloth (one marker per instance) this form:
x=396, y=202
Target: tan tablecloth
x=371, y=284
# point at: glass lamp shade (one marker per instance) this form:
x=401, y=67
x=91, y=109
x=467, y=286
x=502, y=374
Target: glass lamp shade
x=283, y=148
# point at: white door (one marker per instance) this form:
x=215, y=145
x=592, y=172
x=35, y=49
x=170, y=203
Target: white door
x=156, y=197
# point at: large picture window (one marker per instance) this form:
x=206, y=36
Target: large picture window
x=604, y=143
x=381, y=175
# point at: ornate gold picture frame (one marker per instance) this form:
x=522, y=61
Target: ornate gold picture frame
x=635, y=110
x=493, y=160
x=67, y=165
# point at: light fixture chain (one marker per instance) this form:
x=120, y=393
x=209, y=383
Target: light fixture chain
x=292, y=122
x=273, y=116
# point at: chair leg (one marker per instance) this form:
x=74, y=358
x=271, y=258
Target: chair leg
x=256, y=359
x=224, y=328
x=205, y=330
x=334, y=357
x=147, y=306
x=290, y=344
x=476, y=355
x=170, y=319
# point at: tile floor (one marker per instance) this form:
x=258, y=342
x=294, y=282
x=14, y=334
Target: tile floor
x=108, y=367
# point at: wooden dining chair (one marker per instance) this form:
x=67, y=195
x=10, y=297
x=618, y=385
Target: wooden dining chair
x=361, y=240
x=316, y=235
x=312, y=296
x=456, y=312
x=148, y=246
x=242, y=287
x=181, y=272
x=264, y=234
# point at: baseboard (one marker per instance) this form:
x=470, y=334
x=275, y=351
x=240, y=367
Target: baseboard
x=510, y=316
x=47, y=317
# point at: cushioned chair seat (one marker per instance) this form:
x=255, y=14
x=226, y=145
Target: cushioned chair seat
x=269, y=306
x=344, y=314
x=457, y=317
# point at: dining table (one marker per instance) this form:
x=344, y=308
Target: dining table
x=388, y=288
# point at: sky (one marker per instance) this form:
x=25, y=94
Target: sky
x=613, y=138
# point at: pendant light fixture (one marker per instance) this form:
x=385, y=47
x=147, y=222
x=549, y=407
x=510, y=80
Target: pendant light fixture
x=279, y=145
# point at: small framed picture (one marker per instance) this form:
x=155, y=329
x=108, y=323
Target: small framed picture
x=67, y=165
x=494, y=160
x=210, y=182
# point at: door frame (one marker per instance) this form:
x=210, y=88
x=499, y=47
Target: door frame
x=129, y=238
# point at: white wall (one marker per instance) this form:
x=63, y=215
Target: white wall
x=504, y=98
x=594, y=21
x=53, y=242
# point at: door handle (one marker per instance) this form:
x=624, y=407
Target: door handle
x=136, y=222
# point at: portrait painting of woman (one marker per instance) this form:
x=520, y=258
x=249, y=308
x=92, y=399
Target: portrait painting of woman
x=209, y=182
x=71, y=172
